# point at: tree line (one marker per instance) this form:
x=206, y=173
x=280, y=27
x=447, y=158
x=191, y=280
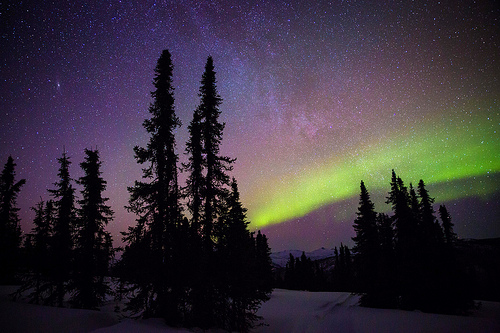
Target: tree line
x=328, y=274
x=190, y=258
x=68, y=251
x=408, y=260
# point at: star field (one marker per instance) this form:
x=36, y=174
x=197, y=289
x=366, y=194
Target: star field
x=317, y=96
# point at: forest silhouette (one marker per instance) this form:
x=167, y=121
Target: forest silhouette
x=191, y=258
x=193, y=264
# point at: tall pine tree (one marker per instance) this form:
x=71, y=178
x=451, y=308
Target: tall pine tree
x=406, y=241
x=196, y=162
x=449, y=235
x=62, y=236
x=366, y=249
x=207, y=191
x=237, y=272
x=156, y=202
x=216, y=166
x=10, y=230
x=264, y=267
x=430, y=227
x=93, y=248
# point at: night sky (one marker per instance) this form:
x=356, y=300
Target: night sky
x=317, y=97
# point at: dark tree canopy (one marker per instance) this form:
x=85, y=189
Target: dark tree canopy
x=407, y=264
x=93, y=248
x=149, y=251
x=366, y=249
x=62, y=232
x=10, y=230
x=241, y=267
x=449, y=235
x=195, y=181
x=207, y=270
x=216, y=166
x=41, y=258
x=203, y=270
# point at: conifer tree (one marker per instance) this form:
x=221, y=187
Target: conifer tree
x=39, y=261
x=195, y=181
x=216, y=166
x=386, y=275
x=454, y=294
x=62, y=232
x=449, y=235
x=236, y=251
x=347, y=263
x=404, y=222
x=264, y=266
x=366, y=249
x=406, y=231
x=386, y=234
x=305, y=272
x=342, y=273
x=415, y=269
x=210, y=180
x=290, y=273
x=157, y=203
x=93, y=244
x=416, y=211
x=431, y=229
x=40, y=252
x=10, y=230
x=335, y=272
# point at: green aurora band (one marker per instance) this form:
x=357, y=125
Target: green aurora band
x=443, y=153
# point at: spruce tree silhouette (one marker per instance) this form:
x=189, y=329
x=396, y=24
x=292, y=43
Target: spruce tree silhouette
x=39, y=260
x=264, y=268
x=366, y=249
x=62, y=232
x=237, y=269
x=415, y=268
x=216, y=179
x=431, y=229
x=10, y=229
x=342, y=274
x=290, y=280
x=37, y=252
x=157, y=205
x=302, y=274
x=214, y=193
x=406, y=241
x=203, y=271
x=449, y=235
x=29, y=255
x=386, y=292
x=93, y=248
x=195, y=180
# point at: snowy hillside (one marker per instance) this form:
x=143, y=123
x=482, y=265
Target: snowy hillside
x=281, y=258
x=286, y=311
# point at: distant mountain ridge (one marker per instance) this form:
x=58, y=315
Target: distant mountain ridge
x=280, y=258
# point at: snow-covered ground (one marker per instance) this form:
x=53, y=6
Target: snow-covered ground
x=302, y=311
x=286, y=311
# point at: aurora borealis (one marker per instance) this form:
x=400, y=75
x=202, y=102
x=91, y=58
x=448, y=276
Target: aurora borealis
x=317, y=96
x=440, y=152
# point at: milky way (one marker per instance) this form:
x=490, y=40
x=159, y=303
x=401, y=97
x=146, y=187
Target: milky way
x=317, y=96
